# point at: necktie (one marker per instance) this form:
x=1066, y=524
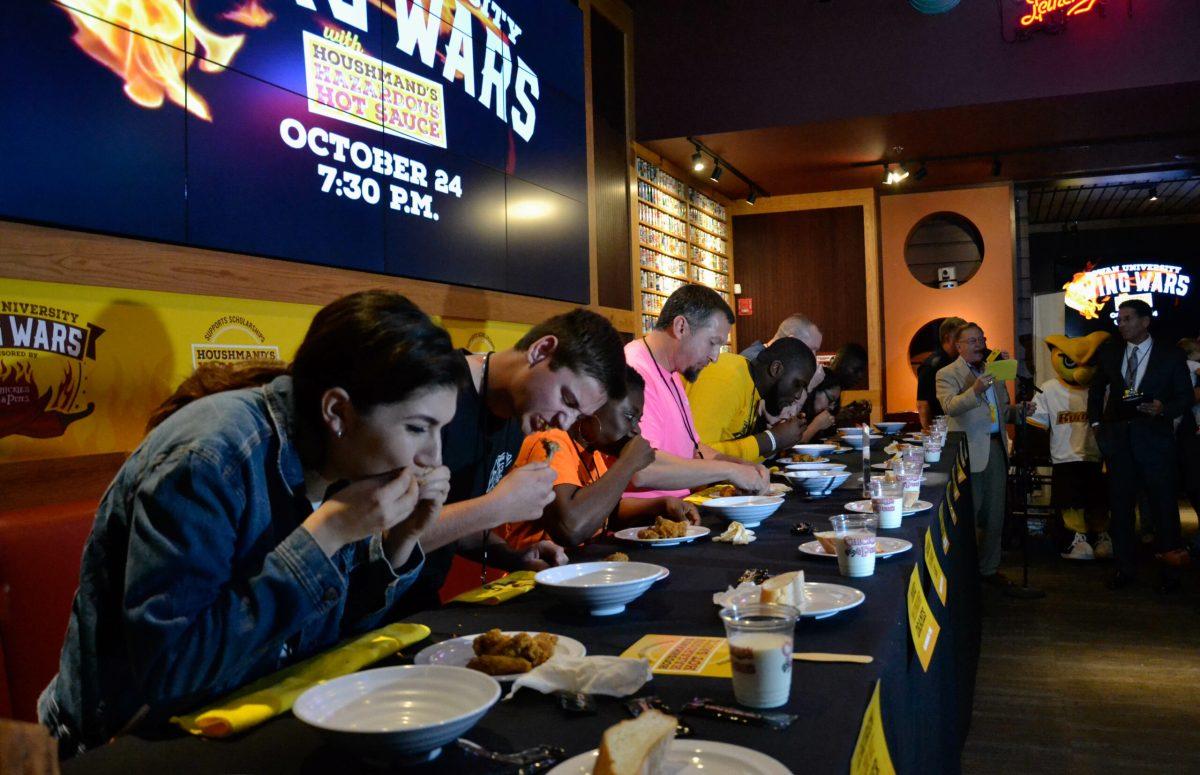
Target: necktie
x=1132, y=369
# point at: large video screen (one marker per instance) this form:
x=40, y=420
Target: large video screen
x=435, y=139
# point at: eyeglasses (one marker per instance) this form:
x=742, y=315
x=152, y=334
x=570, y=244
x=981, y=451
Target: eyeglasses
x=973, y=340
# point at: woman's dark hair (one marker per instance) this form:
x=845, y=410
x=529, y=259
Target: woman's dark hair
x=829, y=383
x=633, y=379
x=587, y=345
x=376, y=345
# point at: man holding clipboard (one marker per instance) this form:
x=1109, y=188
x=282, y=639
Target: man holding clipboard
x=1140, y=387
x=972, y=394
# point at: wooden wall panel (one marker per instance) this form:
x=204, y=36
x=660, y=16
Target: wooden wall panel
x=808, y=261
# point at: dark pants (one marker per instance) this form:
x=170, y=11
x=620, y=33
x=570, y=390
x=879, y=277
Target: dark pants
x=1139, y=459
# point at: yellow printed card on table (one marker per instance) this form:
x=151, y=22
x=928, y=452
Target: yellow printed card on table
x=922, y=624
x=871, y=756
x=954, y=489
x=953, y=513
x=961, y=474
x=934, y=566
x=683, y=655
x=945, y=534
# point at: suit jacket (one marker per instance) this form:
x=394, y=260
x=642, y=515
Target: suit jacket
x=968, y=411
x=1166, y=379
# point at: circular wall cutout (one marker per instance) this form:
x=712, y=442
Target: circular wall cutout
x=924, y=343
x=943, y=250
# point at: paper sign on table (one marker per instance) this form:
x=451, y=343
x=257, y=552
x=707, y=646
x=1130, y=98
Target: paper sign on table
x=871, y=755
x=921, y=622
x=683, y=655
x=961, y=475
x=954, y=489
x=953, y=513
x=1002, y=370
x=934, y=566
x=945, y=535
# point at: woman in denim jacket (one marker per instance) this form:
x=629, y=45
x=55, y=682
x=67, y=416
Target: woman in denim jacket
x=224, y=550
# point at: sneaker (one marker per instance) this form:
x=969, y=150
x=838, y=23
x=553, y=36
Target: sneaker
x=1079, y=549
x=1103, y=547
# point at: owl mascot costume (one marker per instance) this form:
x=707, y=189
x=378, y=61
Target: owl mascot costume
x=1078, y=486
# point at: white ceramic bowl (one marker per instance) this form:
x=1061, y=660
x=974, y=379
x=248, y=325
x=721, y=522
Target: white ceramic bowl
x=850, y=430
x=890, y=428
x=815, y=450
x=817, y=482
x=404, y=713
x=858, y=441
x=815, y=467
x=602, y=587
x=750, y=510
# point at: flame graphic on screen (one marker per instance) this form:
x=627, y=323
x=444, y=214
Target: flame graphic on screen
x=130, y=43
x=249, y=14
x=1082, y=294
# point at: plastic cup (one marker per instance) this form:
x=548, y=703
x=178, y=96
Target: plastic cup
x=855, y=543
x=887, y=502
x=760, y=652
x=933, y=452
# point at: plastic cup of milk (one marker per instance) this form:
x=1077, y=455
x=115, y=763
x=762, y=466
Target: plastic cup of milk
x=760, y=652
x=855, y=543
x=886, y=502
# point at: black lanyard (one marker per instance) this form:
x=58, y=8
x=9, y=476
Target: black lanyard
x=674, y=390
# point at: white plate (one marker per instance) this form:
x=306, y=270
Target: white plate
x=692, y=756
x=821, y=600
x=457, y=652
x=407, y=712
x=813, y=449
x=884, y=547
x=602, y=587
x=864, y=507
x=886, y=467
x=693, y=532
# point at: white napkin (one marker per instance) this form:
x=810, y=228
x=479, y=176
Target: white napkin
x=736, y=533
x=724, y=599
x=611, y=676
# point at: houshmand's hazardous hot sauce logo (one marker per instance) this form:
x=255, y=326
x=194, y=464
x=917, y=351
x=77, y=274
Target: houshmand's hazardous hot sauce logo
x=43, y=354
x=230, y=339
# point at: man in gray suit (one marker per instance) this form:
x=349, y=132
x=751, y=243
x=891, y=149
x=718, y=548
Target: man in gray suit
x=980, y=408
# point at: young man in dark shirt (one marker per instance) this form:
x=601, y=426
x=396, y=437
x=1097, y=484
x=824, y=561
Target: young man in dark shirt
x=563, y=368
x=927, y=401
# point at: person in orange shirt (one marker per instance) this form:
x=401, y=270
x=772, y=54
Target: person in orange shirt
x=594, y=465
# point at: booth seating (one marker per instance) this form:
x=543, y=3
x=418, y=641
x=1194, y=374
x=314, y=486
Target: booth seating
x=40, y=548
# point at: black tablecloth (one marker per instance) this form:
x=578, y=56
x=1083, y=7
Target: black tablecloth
x=925, y=714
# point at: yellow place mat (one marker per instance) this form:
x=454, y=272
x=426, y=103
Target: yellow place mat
x=274, y=694
x=500, y=590
x=683, y=655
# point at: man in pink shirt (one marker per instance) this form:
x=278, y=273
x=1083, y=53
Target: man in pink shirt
x=691, y=328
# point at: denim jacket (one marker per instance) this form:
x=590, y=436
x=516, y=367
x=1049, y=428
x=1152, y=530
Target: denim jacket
x=197, y=578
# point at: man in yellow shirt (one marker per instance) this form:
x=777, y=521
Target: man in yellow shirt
x=732, y=398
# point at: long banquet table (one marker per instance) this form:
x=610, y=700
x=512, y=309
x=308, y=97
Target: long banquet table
x=925, y=714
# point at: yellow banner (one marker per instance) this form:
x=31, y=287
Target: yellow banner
x=683, y=655
x=960, y=474
x=922, y=624
x=953, y=512
x=934, y=566
x=871, y=755
x=954, y=489
x=82, y=367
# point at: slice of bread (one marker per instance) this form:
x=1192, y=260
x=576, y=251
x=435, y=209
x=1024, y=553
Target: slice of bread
x=636, y=747
x=785, y=589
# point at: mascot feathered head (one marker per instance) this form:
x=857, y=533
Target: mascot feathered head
x=1072, y=356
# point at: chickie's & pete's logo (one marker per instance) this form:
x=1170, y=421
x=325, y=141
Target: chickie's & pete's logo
x=43, y=353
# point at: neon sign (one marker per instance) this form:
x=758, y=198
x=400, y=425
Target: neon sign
x=1089, y=290
x=1039, y=9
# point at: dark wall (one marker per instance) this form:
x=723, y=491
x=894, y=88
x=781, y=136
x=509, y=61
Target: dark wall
x=1056, y=256
x=614, y=280
x=810, y=262
x=783, y=62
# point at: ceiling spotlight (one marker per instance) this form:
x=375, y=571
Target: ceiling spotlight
x=716, y=172
x=1153, y=193
x=892, y=177
x=902, y=173
x=996, y=167
x=752, y=197
x=921, y=172
x=697, y=160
